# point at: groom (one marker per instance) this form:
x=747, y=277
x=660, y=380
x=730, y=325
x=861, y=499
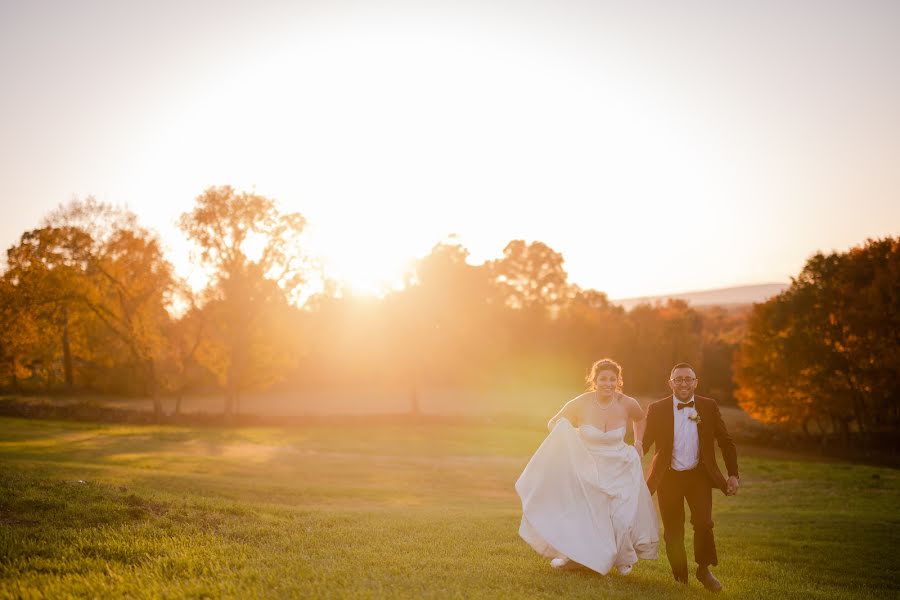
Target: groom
x=683, y=427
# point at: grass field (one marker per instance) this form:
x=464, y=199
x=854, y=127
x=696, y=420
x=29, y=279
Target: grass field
x=386, y=510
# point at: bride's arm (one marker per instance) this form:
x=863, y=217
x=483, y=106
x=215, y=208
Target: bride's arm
x=568, y=411
x=638, y=422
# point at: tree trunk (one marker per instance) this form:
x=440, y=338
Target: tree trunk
x=67, y=352
x=12, y=370
x=154, y=391
x=823, y=434
x=805, y=427
x=861, y=415
x=835, y=426
x=230, y=395
x=414, y=401
x=234, y=372
x=229, y=405
x=845, y=432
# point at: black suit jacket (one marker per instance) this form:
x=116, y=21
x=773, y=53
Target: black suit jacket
x=661, y=431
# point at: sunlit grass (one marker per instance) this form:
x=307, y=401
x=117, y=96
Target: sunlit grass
x=384, y=510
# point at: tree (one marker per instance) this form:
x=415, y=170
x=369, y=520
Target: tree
x=723, y=330
x=441, y=317
x=182, y=369
x=46, y=272
x=825, y=350
x=21, y=337
x=256, y=265
x=126, y=282
x=531, y=277
x=96, y=280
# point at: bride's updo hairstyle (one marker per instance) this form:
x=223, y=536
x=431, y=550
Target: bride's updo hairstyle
x=604, y=364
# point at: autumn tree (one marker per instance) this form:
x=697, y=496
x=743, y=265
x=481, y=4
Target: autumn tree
x=825, y=351
x=126, y=283
x=94, y=279
x=531, y=277
x=254, y=258
x=442, y=316
x=723, y=330
x=182, y=370
x=22, y=342
x=589, y=327
x=46, y=274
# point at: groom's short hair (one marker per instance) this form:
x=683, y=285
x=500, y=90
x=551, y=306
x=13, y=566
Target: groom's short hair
x=682, y=365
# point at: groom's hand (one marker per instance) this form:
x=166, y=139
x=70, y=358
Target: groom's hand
x=733, y=484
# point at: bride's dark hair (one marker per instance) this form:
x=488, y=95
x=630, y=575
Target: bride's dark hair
x=604, y=364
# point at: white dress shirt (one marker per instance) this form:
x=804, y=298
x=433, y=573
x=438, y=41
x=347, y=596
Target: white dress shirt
x=686, y=444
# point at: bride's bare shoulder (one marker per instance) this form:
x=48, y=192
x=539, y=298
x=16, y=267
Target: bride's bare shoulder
x=627, y=399
x=577, y=403
x=582, y=398
x=632, y=406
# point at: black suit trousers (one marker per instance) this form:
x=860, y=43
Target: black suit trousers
x=695, y=487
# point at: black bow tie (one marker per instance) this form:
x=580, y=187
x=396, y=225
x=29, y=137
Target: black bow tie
x=685, y=405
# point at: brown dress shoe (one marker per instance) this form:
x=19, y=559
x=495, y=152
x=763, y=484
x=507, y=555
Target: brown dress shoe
x=709, y=580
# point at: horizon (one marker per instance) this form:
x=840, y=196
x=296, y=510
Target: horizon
x=703, y=291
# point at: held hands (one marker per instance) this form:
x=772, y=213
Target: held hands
x=640, y=448
x=733, y=485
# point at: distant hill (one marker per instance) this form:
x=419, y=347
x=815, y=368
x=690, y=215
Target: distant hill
x=732, y=296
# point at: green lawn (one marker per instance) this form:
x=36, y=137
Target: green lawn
x=385, y=511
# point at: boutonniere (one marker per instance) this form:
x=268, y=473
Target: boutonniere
x=693, y=415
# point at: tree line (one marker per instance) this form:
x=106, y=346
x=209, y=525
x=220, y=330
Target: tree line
x=90, y=302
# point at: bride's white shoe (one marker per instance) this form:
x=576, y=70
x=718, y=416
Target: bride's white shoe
x=559, y=563
x=624, y=569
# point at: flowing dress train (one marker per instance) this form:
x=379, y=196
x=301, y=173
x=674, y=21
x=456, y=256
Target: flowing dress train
x=584, y=498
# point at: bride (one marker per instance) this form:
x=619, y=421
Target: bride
x=584, y=499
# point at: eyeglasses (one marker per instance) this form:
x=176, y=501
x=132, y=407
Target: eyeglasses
x=683, y=380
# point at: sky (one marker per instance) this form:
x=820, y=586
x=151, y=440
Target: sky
x=661, y=147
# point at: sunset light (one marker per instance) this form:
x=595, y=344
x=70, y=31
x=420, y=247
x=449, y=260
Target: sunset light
x=412, y=299
x=391, y=130
x=447, y=141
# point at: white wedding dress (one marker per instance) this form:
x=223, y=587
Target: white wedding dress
x=584, y=498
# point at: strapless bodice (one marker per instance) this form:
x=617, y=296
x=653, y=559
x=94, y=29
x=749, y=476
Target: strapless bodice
x=594, y=436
